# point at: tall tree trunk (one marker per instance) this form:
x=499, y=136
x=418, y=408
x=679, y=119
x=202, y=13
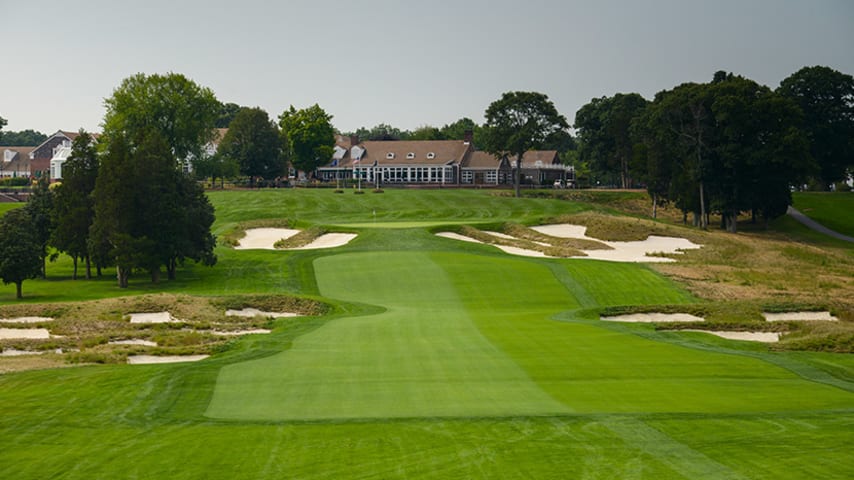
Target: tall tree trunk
x=703, y=221
x=88, y=268
x=654, y=205
x=122, y=275
x=171, y=267
x=517, y=176
x=18, y=291
x=74, y=275
x=155, y=275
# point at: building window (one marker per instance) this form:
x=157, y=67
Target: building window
x=410, y=155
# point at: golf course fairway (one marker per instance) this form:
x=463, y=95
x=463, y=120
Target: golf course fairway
x=472, y=336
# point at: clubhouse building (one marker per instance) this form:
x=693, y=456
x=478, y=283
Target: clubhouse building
x=436, y=163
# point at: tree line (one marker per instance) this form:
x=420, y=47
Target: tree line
x=728, y=146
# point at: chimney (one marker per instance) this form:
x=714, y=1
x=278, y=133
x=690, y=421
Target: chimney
x=469, y=135
x=354, y=140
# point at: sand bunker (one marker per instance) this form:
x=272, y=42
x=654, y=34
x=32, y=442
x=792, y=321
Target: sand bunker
x=145, y=343
x=158, y=317
x=264, y=238
x=11, y=352
x=23, y=333
x=799, y=316
x=328, y=240
x=637, y=251
x=766, y=337
x=149, y=359
x=237, y=333
x=252, y=312
x=653, y=318
x=26, y=320
x=508, y=249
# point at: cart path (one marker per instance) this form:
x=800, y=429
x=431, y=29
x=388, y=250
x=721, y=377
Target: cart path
x=812, y=224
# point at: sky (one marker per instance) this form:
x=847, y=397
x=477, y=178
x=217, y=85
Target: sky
x=400, y=62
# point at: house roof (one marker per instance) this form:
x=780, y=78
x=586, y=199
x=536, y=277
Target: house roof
x=20, y=158
x=532, y=159
x=407, y=152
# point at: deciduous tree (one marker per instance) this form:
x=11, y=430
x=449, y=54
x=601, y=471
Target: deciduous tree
x=309, y=136
x=73, y=205
x=253, y=143
x=518, y=122
x=180, y=110
x=20, y=257
x=826, y=98
x=40, y=209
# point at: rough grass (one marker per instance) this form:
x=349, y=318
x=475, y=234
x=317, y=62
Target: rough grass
x=831, y=209
x=301, y=239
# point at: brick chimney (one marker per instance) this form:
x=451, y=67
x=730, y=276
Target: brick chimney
x=354, y=140
x=468, y=136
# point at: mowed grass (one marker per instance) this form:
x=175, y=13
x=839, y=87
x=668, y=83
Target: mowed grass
x=385, y=386
x=834, y=210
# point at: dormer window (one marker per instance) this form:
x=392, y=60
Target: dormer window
x=431, y=156
x=389, y=155
x=410, y=156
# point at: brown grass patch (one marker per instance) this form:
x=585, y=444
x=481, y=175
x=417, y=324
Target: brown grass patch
x=301, y=239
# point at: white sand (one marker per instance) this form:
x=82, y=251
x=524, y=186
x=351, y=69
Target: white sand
x=264, y=238
x=11, y=352
x=766, y=337
x=158, y=317
x=149, y=359
x=241, y=332
x=251, y=312
x=145, y=343
x=621, y=251
x=329, y=240
x=26, y=320
x=654, y=318
x=636, y=251
x=457, y=236
x=507, y=249
x=799, y=316
x=23, y=333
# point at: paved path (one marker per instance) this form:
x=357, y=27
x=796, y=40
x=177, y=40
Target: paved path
x=817, y=226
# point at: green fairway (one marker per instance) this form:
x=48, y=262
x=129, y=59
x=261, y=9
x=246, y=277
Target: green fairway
x=437, y=359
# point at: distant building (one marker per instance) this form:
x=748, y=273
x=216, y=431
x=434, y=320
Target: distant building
x=15, y=161
x=435, y=162
x=208, y=150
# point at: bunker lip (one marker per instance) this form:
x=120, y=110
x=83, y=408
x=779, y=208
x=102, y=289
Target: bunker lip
x=764, y=337
x=252, y=312
x=152, y=359
x=654, y=318
x=155, y=317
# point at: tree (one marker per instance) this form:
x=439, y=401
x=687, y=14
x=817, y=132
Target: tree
x=253, y=143
x=227, y=111
x=24, y=138
x=19, y=249
x=309, y=136
x=381, y=131
x=216, y=166
x=518, y=122
x=604, y=127
x=2, y=124
x=427, y=132
x=826, y=98
x=40, y=210
x=73, y=206
x=181, y=111
x=457, y=130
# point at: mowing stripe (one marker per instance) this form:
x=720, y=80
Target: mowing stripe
x=423, y=357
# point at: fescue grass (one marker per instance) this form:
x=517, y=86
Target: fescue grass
x=435, y=358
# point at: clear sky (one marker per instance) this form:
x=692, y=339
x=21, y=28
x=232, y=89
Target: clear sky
x=400, y=62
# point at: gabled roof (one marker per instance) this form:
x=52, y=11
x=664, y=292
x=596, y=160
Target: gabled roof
x=531, y=159
x=407, y=152
x=20, y=158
